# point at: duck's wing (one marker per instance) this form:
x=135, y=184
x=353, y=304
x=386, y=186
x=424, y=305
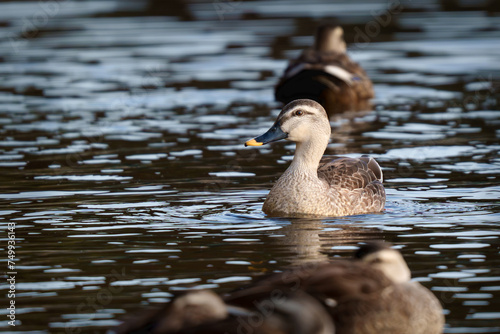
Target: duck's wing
x=329, y=282
x=338, y=65
x=349, y=173
x=359, y=179
x=360, y=82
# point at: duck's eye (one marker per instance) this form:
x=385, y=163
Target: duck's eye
x=376, y=260
x=299, y=113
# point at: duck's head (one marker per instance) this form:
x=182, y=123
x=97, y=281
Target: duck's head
x=330, y=38
x=299, y=121
x=390, y=261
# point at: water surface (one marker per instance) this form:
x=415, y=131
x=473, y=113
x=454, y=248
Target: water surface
x=123, y=165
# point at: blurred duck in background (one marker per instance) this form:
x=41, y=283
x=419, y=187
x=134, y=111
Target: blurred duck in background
x=327, y=75
x=371, y=294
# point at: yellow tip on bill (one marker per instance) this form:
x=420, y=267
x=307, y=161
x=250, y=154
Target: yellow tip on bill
x=253, y=142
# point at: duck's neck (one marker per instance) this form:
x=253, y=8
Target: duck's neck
x=307, y=156
x=327, y=41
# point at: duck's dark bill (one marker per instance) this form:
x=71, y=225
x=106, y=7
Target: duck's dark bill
x=273, y=134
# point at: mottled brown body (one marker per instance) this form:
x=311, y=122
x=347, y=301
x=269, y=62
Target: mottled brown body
x=342, y=187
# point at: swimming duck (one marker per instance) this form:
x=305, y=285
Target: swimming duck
x=372, y=294
x=327, y=75
x=313, y=184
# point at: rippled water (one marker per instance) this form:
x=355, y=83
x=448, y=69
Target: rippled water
x=123, y=166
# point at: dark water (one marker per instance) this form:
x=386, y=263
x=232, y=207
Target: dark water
x=123, y=166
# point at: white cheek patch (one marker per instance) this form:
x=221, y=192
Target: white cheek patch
x=298, y=132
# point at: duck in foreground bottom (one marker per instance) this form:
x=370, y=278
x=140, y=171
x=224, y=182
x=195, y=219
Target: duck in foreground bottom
x=372, y=294
x=197, y=312
x=313, y=184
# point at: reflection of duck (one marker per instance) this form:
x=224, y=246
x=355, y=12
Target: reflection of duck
x=303, y=240
x=327, y=75
x=300, y=241
x=314, y=185
x=373, y=294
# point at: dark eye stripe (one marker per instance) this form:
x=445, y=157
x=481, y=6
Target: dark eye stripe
x=289, y=115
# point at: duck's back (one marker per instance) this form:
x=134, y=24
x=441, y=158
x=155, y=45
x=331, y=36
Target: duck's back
x=405, y=308
x=358, y=181
x=343, y=187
